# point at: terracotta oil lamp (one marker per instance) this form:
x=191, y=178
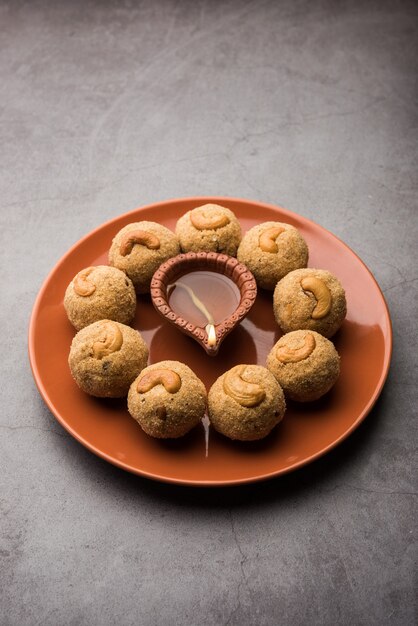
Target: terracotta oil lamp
x=204, y=294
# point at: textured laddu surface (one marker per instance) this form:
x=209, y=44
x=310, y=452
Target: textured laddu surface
x=109, y=105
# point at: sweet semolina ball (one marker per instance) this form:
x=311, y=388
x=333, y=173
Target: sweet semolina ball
x=98, y=293
x=246, y=403
x=305, y=363
x=106, y=357
x=140, y=248
x=209, y=228
x=167, y=399
x=271, y=250
x=310, y=299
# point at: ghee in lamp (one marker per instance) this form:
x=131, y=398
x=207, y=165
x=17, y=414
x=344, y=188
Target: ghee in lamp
x=204, y=297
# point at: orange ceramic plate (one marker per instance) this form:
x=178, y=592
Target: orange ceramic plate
x=307, y=431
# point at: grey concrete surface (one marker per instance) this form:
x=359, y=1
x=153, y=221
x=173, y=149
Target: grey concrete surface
x=105, y=106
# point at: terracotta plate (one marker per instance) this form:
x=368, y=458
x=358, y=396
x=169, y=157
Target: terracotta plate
x=307, y=431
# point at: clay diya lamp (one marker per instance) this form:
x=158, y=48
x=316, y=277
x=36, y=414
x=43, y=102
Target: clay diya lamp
x=204, y=294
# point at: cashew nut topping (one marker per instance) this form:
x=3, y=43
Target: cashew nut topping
x=82, y=285
x=169, y=379
x=285, y=354
x=267, y=239
x=208, y=218
x=321, y=293
x=142, y=237
x=112, y=340
x=245, y=393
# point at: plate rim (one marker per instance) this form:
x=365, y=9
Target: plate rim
x=388, y=344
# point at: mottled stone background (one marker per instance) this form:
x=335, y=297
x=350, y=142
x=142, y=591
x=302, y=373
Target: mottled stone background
x=105, y=106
